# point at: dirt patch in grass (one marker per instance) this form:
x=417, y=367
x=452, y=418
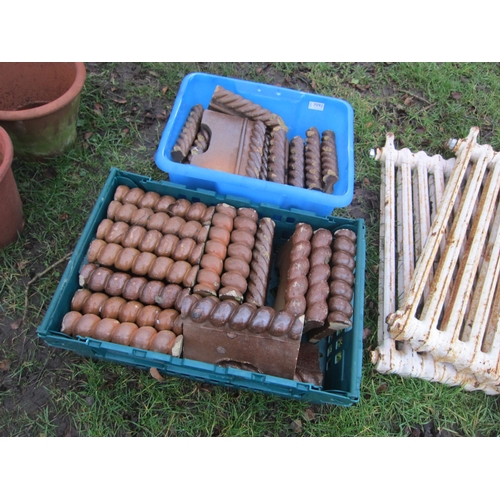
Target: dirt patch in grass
x=365, y=203
x=430, y=430
x=148, y=114
x=29, y=371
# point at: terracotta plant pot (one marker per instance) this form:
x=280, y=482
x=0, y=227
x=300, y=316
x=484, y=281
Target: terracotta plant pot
x=11, y=208
x=39, y=106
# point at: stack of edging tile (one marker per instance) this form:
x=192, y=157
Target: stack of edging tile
x=238, y=136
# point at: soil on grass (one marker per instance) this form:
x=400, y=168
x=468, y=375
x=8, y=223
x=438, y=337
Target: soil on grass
x=29, y=370
x=32, y=374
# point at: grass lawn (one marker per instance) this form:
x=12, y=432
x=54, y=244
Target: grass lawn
x=124, y=108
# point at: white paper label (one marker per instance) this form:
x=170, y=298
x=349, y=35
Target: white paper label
x=318, y=106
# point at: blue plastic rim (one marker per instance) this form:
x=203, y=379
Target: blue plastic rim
x=341, y=354
x=299, y=110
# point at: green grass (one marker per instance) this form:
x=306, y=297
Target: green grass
x=424, y=104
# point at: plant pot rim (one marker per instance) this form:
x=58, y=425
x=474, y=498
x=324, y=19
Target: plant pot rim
x=55, y=105
x=7, y=151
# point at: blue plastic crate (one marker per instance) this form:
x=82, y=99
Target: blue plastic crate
x=341, y=354
x=299, y=110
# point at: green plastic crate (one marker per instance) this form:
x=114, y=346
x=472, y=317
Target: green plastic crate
x=341, y=354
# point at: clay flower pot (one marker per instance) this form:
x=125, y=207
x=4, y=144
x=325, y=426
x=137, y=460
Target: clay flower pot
x=39, y=106
x=11, y=208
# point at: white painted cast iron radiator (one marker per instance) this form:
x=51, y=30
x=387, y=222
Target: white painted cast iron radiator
x=439, y=292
